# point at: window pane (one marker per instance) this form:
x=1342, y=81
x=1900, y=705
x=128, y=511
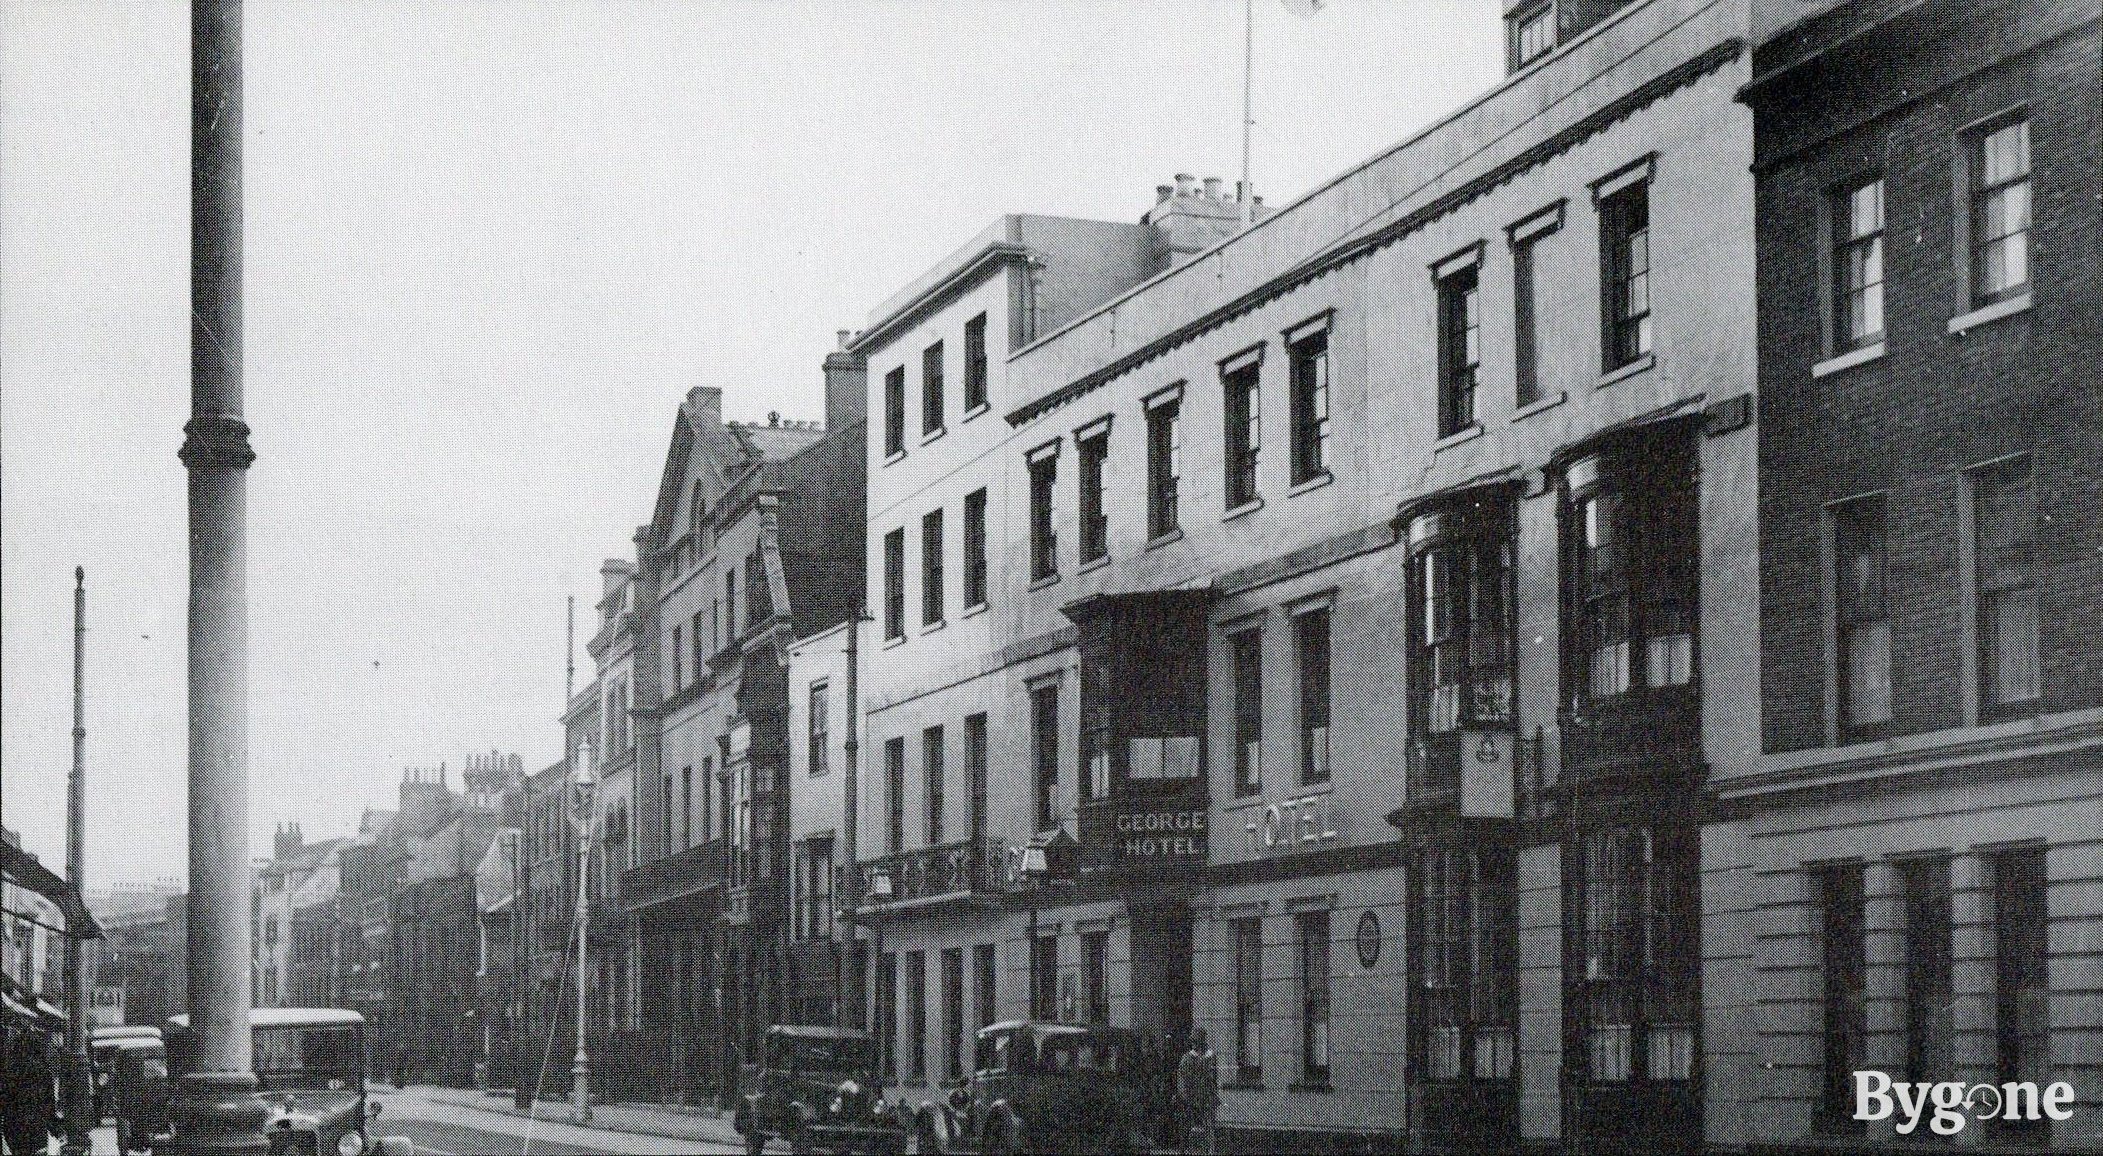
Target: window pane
x=2008, y=621
x=1868, y=657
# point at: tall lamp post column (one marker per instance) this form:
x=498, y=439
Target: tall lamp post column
x=215, y=1108
x=584, y=789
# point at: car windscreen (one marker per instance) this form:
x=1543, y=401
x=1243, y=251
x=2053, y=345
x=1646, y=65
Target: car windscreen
x=311, y=1058
x=1081, y=1053
x=825, y=1055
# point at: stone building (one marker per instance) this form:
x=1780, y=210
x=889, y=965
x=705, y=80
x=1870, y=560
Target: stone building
x=1353, y=594
x=1920, y=839
x=753, y=540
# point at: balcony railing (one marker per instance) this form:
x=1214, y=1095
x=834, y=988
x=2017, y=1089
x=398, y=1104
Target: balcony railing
x=934, y=874
x=689, y=872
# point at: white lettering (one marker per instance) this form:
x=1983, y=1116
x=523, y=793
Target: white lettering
x=1872, y=1096
x=2057, y=1095
x=1953, y=1104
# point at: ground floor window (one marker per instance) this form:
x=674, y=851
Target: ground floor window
x=1313, y=929
x=1842, y=947
x=1464, y=965
x=1044, y=972
x=887, y=1014
x=1925, y=884
x=1095, y=956
x=952, y=1011
x=916, y=1017
x=2022, y=995
x=1248, y=1000
x=1632, y=918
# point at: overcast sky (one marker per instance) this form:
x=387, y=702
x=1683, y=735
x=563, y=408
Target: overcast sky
x=489, y=247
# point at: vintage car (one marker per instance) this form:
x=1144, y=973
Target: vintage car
x=134, y=1089
x=310, y=1070
x=1041, y=1087
x=818, y=1089
x=103, y=1044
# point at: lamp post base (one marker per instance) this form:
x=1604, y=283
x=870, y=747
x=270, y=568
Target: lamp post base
x=580, y=1090
x=217, y=1112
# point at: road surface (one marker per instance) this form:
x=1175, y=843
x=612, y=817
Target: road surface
x=439, y=1128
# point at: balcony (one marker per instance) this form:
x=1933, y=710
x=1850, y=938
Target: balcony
x=927, y=876
x=1643, y=735
x=688, y=873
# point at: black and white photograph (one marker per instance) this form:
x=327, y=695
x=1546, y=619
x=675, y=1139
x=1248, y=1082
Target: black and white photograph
x=1093, y=576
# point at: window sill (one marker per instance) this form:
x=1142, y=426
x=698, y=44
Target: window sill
x=1321, y=1089
x=1244, y=510
x=1639, y=365
x=1175, y=535
x=934, y=434
x=891, y=642
x=1041, y=583
x=894, y=457
x=1848, y=360
x=972, y=611
x=1461, y=436
x=1093, y=564
x=1315, y=482
x=931, y=627
x=976, y=410
x=1985, y=313
x=1538, y=405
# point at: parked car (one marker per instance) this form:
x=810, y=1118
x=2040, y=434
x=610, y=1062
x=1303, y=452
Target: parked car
x=310, y=1069
x=1041, y=1087
x=102, y=1054
x=134, y=1089
x=818, y=1088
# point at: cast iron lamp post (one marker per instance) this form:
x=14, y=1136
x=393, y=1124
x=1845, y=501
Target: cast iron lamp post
x=584, y=790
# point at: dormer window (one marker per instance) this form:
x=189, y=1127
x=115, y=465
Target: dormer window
x=1530, y=34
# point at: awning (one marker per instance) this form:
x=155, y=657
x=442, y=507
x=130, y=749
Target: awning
x=21, y=868
x=19, y=1004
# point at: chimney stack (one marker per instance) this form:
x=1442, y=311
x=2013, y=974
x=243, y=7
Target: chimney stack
x=846, y=384
x=1212, y=188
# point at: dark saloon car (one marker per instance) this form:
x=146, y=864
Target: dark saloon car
x=818, y=1089
x=310, y=1070
x=1042, y=1087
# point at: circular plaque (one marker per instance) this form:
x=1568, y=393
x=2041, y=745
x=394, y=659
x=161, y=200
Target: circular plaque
x=1368, y=939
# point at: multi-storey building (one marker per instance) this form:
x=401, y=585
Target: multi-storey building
x=1427, y=498
x=826, y=963
x=550, y=890
x=1921, y=845
x=298, y=874
x=963, y=707
x=753, y=540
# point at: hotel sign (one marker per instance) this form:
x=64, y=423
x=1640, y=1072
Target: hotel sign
x=1135, y=832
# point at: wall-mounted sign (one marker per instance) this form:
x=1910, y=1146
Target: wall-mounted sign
x=1133, y=832
x=1368, y=940
x=1303, y=824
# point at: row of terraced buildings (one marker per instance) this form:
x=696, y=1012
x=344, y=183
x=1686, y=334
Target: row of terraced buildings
x=1580, y=632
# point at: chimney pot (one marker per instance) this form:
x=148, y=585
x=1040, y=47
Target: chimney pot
x=1185, y=183
x=844, y=335
x=1163, y=192
x=1212, y=188
x=774, y=417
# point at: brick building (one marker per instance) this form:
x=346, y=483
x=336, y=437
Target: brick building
x=1921, y=839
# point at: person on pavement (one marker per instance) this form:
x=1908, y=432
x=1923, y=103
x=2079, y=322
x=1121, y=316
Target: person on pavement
x=1197, y=1088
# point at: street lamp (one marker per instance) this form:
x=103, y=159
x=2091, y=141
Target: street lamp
x=1046, y=859
x=584, y=790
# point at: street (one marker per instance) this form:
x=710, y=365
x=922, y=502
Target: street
x=438, y=1122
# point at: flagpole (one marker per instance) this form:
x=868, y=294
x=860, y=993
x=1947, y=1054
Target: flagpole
x=1248, y=119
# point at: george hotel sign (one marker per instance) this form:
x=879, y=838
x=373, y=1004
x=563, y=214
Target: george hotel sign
x=1140, y=832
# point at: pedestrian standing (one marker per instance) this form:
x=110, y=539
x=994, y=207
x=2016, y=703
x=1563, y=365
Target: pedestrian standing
x=1197, y=1090
x=29, y=1103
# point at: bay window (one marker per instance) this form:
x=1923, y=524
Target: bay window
x=1631, y=527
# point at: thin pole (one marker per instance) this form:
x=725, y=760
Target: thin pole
x=78, y=1092
x=580, y=1071
x=569, y=657
x=1248, y=113
x=521, y=993
x=850, y=805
